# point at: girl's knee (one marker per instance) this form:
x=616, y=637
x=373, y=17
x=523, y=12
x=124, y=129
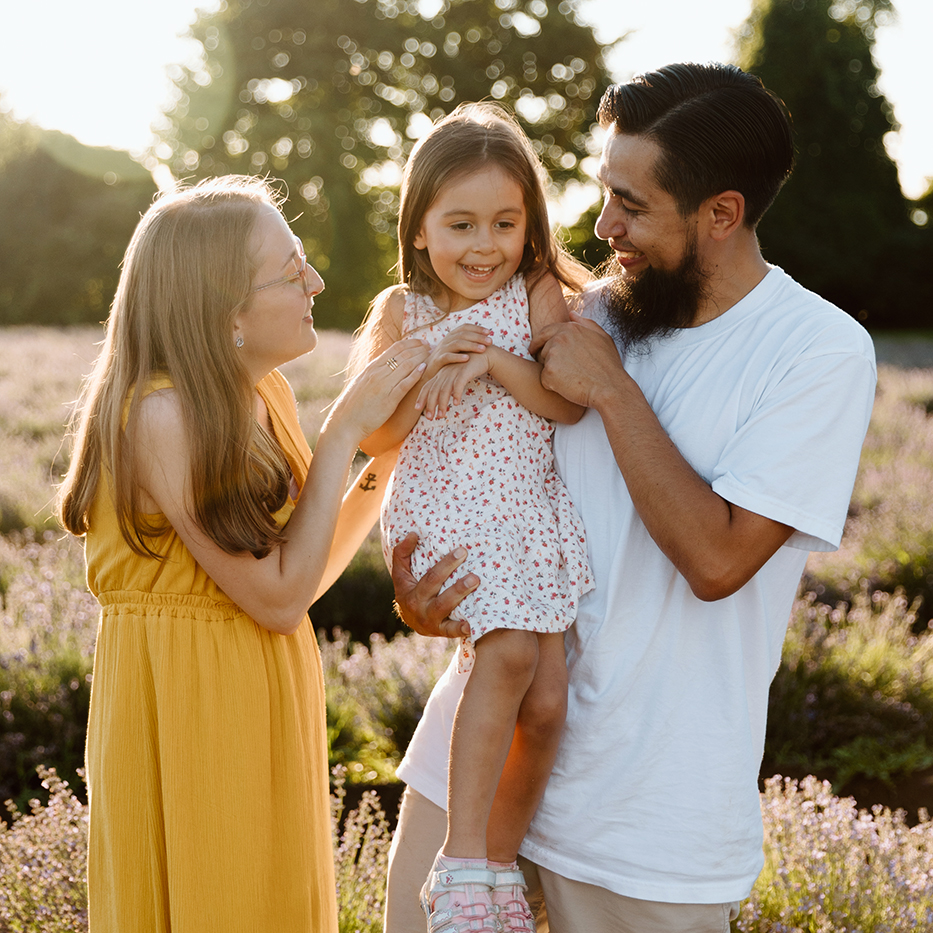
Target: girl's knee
x=513, y=652
x=544, y=710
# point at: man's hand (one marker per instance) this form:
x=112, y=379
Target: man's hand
x=580, y=360
x=420, y=603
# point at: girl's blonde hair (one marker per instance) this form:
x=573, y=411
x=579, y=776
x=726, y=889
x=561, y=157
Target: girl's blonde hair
x=186, y=273
x=470, y=138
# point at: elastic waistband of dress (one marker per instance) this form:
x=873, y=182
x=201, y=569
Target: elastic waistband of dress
x=134, y=599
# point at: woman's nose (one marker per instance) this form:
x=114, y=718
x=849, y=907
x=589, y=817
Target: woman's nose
x=314, y=284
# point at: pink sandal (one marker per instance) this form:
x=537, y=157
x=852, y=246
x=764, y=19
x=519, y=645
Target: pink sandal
x=508, y=897
x=458, y=899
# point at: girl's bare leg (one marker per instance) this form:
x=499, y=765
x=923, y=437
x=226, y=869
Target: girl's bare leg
x=531, y=756
x=483, y=729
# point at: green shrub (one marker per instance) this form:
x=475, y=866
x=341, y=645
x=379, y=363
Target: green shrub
x=830, y=868
x=44, y=720
x=888, y=541
x=854, y=692
x=375, y=698
x=47, y=631
x=361, y=859
x=43, y=863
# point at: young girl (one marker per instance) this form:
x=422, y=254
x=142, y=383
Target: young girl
x=482, y=275
x=206, y=747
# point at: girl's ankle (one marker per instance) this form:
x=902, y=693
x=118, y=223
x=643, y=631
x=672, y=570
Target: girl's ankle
x=501, y=866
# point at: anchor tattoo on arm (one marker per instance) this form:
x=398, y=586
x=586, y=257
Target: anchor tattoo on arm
x=368, y=482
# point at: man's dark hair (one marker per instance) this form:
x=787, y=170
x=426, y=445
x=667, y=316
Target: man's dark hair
x=718, y=129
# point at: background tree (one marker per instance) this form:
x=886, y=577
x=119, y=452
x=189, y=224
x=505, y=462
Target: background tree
x=68, y=213
x=330, y=97
x=841, y=226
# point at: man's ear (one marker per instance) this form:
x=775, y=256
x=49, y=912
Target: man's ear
x=723, y=214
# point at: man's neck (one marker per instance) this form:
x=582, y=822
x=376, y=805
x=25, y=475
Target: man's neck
x=730, y=280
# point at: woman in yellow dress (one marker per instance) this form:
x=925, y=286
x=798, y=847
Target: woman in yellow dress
x=206, y=748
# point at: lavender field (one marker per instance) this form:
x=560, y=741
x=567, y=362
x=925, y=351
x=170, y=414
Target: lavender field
x=852, y=702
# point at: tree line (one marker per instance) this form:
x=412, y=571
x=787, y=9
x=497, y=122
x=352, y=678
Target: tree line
x=330, y=98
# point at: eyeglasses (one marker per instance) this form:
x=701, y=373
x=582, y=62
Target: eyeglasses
x=301, y=275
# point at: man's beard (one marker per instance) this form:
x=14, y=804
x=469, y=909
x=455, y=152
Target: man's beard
x=655, y=302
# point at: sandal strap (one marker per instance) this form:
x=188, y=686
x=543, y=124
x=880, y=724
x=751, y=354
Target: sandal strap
x=510, y=876
x=441, y=922
x=448, y=877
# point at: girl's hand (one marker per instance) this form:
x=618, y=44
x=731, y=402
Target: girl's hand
x=457, y=346
x=371, y=397
x=448, y=385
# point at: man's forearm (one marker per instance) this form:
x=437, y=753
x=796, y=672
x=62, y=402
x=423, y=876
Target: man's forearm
x=715, y=545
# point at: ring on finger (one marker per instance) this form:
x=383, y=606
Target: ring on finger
x=392, y=363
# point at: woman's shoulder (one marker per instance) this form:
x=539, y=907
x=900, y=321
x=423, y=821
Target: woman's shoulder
x=159, y=389
x=159, y=407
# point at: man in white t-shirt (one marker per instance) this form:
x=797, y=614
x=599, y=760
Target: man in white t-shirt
x=727, y=408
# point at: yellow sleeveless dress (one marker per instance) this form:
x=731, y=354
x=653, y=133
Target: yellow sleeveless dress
x=206, y=747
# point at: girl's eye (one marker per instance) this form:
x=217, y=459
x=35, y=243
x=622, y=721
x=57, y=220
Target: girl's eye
x=463, y=225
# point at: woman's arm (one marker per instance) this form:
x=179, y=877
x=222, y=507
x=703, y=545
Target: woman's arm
x=276, y=590
x=358, y=514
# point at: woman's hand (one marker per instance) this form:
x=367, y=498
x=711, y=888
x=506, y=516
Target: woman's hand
x=420, y=603
x=372, y=397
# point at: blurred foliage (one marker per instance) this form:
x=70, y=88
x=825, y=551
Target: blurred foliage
x=330, y=97
x=854, y=693
x=842, y=215
x=43, y=863
x=68, y=213
x=376, y=694
x=888, y=540
x=48, y=622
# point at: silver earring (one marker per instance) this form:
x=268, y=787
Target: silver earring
x=239, y=341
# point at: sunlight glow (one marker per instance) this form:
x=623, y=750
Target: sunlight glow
x=103, y=74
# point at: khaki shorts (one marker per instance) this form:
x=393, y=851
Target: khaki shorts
x=571, y=906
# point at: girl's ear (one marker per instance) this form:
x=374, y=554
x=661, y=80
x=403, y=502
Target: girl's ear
x=419, y=241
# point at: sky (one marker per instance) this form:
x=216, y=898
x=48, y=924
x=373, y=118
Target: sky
x=108, y=77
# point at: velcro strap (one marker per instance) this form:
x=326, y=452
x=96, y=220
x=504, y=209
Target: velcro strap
x=458, y=876
x=510, y=877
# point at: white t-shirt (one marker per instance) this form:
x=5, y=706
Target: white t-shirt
x=654, y=792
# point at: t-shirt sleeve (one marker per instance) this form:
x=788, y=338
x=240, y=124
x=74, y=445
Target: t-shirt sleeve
x=795, y=458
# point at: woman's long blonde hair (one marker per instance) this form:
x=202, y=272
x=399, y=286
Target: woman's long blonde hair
x=186, y=273
x=470, y=138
